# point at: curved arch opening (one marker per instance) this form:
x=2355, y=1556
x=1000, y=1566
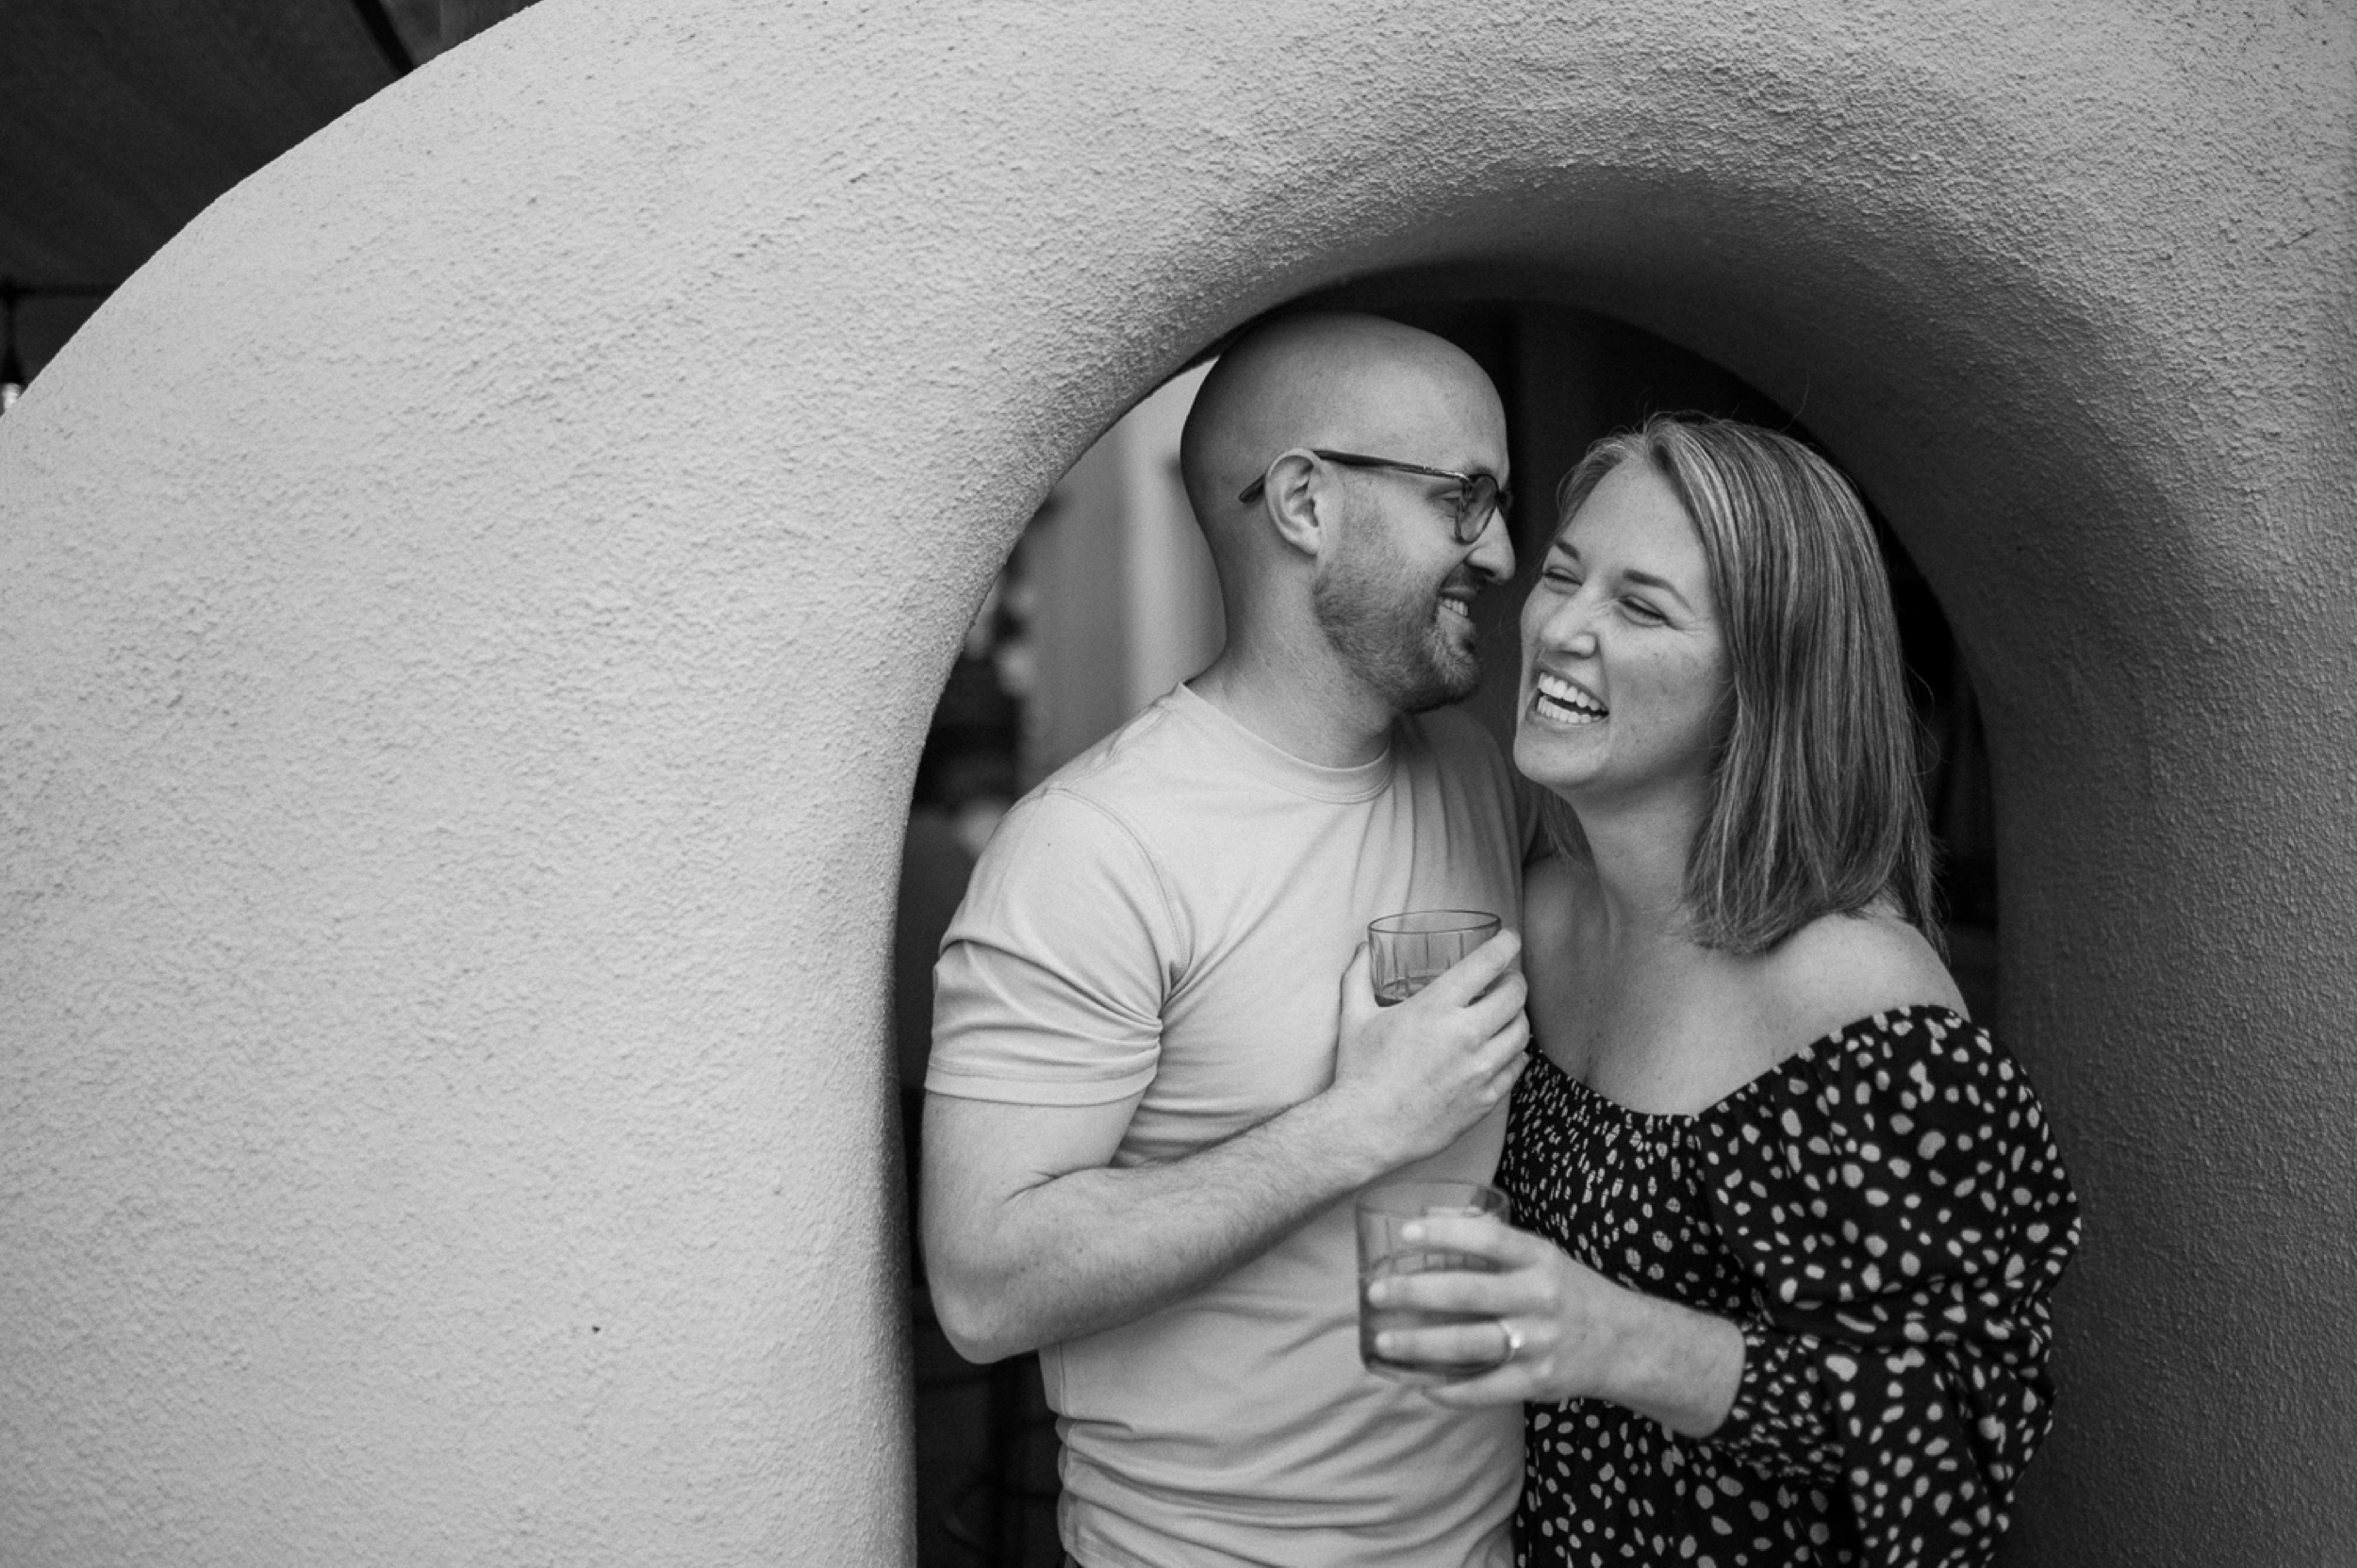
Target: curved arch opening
x=1058, y=657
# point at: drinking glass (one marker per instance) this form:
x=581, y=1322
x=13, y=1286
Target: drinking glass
x=1382, y=1211
x=1408, y=952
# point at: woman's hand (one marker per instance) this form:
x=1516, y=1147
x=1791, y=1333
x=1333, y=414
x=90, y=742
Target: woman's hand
x=1557, y=1330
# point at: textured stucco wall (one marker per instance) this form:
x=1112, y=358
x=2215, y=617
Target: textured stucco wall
x=468, y=607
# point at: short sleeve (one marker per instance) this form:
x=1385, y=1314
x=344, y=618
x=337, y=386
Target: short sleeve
x=1896, y=1199
x=1050, y=983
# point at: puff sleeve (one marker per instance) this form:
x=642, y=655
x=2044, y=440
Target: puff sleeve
x=1896, y=1202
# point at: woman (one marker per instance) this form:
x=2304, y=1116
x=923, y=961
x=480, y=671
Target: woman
x=1790, y=1219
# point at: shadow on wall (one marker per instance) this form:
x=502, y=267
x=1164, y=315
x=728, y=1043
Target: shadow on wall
x=1108, y=599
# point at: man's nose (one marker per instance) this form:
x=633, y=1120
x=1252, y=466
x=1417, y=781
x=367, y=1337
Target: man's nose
x=1492, y=553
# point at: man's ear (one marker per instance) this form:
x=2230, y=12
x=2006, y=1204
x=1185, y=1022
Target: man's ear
x=1299, y=504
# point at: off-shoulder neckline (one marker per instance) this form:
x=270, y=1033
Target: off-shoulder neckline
x=1806, y=1056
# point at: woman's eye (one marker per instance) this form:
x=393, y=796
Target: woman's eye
x=1562, y=577
x=1642, y=613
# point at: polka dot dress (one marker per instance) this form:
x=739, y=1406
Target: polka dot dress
x=1884, y=1215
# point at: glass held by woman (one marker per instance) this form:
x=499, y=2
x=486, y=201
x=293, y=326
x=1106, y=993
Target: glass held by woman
x=1790, y=1218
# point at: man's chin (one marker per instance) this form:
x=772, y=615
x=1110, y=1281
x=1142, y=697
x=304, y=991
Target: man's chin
x=1413, y=664
x=1441, y=684
x=1457, y=670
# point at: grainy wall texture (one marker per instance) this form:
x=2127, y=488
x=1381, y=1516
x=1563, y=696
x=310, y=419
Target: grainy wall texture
x=468, y=608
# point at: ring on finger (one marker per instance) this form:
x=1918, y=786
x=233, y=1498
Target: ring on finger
x=1513, y=1341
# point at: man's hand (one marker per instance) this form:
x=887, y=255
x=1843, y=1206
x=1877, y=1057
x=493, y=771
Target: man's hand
x=1031, y=1236
x=1417, y=1075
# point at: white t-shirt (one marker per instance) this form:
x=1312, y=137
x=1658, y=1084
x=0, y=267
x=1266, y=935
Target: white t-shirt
x=1172, y=913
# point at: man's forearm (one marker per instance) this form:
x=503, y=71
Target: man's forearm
x=1100, y=1247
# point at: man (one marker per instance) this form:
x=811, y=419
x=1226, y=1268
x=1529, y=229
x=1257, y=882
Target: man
x=1147, y=1108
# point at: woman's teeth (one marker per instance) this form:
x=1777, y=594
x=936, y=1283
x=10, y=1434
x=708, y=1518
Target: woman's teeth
x=1567, y=703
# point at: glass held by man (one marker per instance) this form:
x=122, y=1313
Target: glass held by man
x=1408, y=951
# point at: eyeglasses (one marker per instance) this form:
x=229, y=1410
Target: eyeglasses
x=1478, y=494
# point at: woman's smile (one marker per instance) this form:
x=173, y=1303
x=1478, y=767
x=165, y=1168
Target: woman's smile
x=1558, y=700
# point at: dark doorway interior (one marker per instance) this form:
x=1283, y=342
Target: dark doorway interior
x=985, y=1440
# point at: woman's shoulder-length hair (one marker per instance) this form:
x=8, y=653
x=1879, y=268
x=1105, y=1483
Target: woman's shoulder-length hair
x=1816, y=805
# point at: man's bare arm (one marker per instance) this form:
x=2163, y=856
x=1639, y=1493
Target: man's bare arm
x=1032, y=1237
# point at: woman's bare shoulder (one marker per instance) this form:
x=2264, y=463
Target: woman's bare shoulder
x=1839, y=968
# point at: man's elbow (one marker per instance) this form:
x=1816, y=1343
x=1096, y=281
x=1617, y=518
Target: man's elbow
x=972, y=1311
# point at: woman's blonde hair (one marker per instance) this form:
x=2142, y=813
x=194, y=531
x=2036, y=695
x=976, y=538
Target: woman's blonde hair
x=1816, y=807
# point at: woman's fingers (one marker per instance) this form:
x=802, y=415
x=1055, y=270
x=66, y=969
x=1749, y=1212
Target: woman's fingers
x=1512, y=1292
x=1467, y=1348
x=1449, y=1290
x=1474, y=1357
x=1509, y=1384
x=1492, y=1241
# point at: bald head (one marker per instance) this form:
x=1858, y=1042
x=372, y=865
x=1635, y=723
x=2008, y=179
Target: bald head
x=1346, y=587
x=1336, y=380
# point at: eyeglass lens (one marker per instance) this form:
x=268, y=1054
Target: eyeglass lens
x=1475, y=501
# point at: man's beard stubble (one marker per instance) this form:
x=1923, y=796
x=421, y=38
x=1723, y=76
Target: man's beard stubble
x=1387, y=628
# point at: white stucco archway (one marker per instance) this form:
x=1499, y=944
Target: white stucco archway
x=468, y=608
